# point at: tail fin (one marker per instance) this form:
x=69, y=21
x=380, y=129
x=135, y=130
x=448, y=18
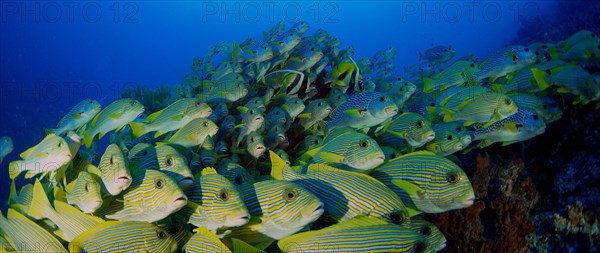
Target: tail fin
x=278, y=166
x=235, y=51
x=14, y=168
x=12, y=195
x=427, y=86
x=137, y=129
x=40, y=205
x=87, y=139
x=448, y=115
x=540, y=77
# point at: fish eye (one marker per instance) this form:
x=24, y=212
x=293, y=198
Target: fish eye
x=223, y=195
x=159, y=184
x=397, y=218
x=160, y=234
x=312, y=49
x=445, y=50
x=420, y=124
x=364, y=143
x=238, y=180
x=449, y=137
x=205, y=124
x=319, y=104
x=472, y=65
x=382, y=99
x=296, y=102
x=60, y=144
x=169, y=161
x=548, y=72
x=132, y=103
x=401, y=89
x=536, y=117
x=458, y=129
x=112, y=160
x=197, y=103
x=393, y=156
x=419, y=247
x=145, y=152
x=86, y=188
x=526, y=49
x=277, y=113
x=507, y=101
x=289, y=195
x=426, y=230
x=91, y=101
x=452, y=178
x=537, y=53
x=544, y=46
x=265, y=47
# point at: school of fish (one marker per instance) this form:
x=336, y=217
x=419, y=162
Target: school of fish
x=289, y=143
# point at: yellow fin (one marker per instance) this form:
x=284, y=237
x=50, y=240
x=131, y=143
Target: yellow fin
x=241, y=246
x=448, y=115
x=331, y=157
x=512, y=127
x=278, y=166
x=413, y=212
x=307, y=115
x=427, y=86
x=540, y=78
x=39, y=202
x=414, y=191
x=137, y=129
x=355, y=112
x=208, y=171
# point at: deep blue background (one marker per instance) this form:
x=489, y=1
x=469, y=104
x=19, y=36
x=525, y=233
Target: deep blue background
x=54, y=54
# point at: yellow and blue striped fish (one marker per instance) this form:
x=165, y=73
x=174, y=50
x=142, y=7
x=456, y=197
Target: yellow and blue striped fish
x=124, y=236
x=348, y=149
x=173, y=117
x=426, y=182
x=237, y=175
x=410, y=128
x=278, y=209
x=345, y=194
x=205, y=241
x=152, y=196
x=48, y=156
x=138, y=152
x=169, y=161
x=113, y=170
x=70, y=221
x=27, y=236
x=85, y=192
x=486, y=108
x=115, y=116
x=215, y=202
x=194, y=133
x=359, y=234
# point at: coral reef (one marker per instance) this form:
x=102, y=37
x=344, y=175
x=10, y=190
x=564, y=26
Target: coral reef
x=539, y=196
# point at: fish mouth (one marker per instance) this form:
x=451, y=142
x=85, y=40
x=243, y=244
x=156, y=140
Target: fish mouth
x=392, y=110
x=260, y=148
x=318, y=211
x=186, y=182
x=468, y=202
x=259, y=119
x=124, y=179
x=239, y=221
x=429, y=136
x=181, y=200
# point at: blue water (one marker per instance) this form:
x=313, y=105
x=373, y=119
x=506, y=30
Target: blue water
x=55, y=54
